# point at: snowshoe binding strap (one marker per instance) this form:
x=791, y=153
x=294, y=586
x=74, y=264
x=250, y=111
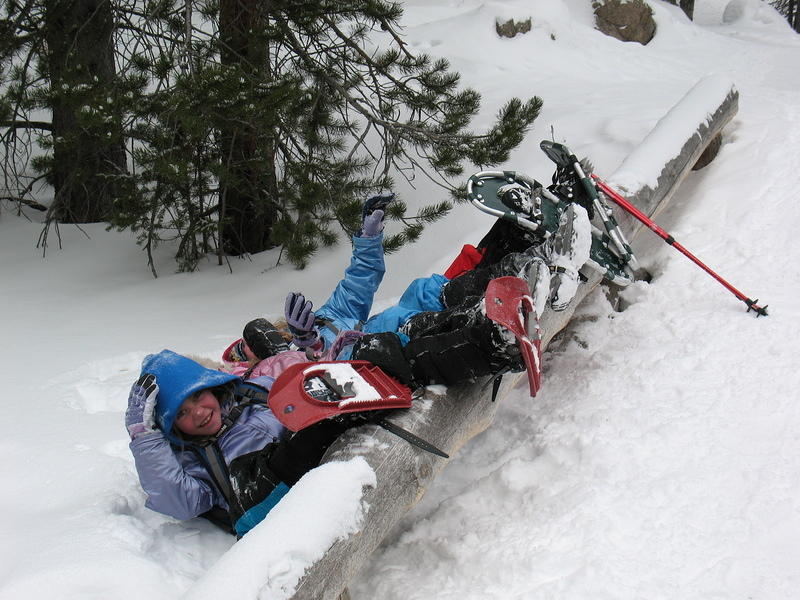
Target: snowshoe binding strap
x=507, y=195
x=411, y=438
x=565, y=159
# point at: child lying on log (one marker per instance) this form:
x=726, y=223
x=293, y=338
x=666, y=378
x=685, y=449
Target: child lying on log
x=203, y=446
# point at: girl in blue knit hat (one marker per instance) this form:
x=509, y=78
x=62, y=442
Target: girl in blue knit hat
x=203, y=448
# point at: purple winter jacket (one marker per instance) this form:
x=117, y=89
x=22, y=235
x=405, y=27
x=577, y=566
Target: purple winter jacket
x=175, y=481
x=177, y=484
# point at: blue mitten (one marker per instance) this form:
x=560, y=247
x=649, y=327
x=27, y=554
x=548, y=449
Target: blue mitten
x=140, y=416
x=300, y=319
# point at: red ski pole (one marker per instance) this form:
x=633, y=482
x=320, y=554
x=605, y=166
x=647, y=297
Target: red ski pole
x=627, y=206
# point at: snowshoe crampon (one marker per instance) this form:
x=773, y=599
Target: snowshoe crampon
x=509, y=304
x=485, y=191
x=307, y=393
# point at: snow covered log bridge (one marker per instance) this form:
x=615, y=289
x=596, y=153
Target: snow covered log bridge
x=277, y=558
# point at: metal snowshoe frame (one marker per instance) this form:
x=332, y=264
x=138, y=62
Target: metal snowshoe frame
x=616, y=241
x=482, y=191
x=605, y=255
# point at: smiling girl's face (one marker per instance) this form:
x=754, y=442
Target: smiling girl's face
x=199, y=414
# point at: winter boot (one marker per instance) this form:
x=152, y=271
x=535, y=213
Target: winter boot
x=264, y=339
x=481, y=347
x=505, y=237
x=570, y=250
x=537, y=275
x=446, y=347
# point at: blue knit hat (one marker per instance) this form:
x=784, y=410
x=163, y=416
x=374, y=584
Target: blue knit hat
x=178, y=378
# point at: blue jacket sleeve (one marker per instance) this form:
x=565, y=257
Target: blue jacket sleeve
x=423, y=294
x=351, y=301
x=170, y=486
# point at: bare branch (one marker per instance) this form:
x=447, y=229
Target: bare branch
x=43, y=125
x=25, y=201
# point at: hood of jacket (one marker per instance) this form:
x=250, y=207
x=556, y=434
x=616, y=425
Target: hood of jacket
x=178, y=378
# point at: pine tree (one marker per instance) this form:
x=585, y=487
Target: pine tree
x=57, y=56
x=295, y=112
x=251, y=124
x=789, y=9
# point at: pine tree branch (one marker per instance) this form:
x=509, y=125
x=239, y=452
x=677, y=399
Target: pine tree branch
x=416, y=134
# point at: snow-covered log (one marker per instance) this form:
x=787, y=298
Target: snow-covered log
x=450, y=417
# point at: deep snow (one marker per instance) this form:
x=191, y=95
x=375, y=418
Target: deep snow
x=661, y=458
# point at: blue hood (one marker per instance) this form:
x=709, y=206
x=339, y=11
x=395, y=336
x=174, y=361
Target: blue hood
x=178, y=378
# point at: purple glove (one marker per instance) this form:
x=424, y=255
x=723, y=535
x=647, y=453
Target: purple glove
x=372, y=214
x=372, y=224
x=140, y=416
x=300, y=319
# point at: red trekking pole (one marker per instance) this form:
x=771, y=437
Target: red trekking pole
x=627, y=206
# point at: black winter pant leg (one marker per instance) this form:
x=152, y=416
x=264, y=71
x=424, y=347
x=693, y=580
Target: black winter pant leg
x=442, y=321
x=384, y=350
x=503, y=238
x=467, y=288
x=473, y=350
x=293, y=458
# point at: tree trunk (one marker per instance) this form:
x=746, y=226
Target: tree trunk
x=249, y=184
x=88, y=148
x=688, y=8
x=686, y=5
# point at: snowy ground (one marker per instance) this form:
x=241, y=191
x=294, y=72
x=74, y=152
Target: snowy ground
x=661, y=458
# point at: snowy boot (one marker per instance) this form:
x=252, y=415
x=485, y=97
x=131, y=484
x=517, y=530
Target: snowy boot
x=570, y=250
x=532, y=268
x=446, y=347
x=537, y=276
x=470, y=287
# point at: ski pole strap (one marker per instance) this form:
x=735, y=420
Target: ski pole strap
x=329, y=324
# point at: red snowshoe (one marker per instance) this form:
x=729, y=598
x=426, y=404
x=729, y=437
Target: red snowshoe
x=306, y=393
x=508, y=303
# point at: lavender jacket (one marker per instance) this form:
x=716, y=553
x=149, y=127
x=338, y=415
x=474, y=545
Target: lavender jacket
x=177, y=483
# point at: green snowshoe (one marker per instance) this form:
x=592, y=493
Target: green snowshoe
x=539, y=210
